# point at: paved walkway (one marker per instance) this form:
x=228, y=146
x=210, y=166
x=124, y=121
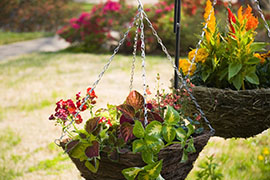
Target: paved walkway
x=50, y=44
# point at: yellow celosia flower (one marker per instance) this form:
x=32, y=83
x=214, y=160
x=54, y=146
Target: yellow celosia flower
x=185, y=64
x=266, y=151
x=201, y=56
x=211, y=22
x=260, y=157
x=257, y=55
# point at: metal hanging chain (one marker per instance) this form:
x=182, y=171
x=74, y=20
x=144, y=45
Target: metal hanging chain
x=201, y=38
x=63, y=134
x=212, y=130
x=143, y=63
x=262, y=16
x=134, y=56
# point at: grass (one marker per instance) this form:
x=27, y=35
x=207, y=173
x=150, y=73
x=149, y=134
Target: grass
x=30, y=85
x=8, y=169
x=12, y=37
x=85, y=7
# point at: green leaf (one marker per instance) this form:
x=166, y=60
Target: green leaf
x=237, y=81
x=258, y=46
x=79, y=151
x=181, y=134
x=223, y=74
x=91, y=167
x=190, y=130
x=168, y=133
x=154, y=144
x=191, y=147
x=144, y=176
x=153, y=169
x=154, y=129
x=253, y=60
x=138, y=129
x=131, y=173
x=234, y=69
x=184, y=156
x=252, y=78
x=172, y=117
x=147, y=156
x=205, y=75
x=138, y=146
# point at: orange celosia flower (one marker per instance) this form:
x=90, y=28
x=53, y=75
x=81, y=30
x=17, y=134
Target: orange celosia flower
x=211, y=22
x=240, y=15
x=257, y=55
x=252, y=22
x=184, y=65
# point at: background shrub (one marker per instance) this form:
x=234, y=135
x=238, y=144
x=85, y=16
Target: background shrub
x=35, y=15
x=95, y=31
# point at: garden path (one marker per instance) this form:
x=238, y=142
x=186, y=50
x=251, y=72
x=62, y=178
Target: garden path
x=49, y=44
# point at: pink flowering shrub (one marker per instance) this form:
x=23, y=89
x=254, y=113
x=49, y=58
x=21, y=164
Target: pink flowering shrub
x=93, y=29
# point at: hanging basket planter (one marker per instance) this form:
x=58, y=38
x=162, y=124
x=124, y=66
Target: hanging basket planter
x=171, y=155
x=243, y=113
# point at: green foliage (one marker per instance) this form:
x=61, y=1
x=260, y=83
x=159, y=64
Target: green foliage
x=35, y=15
x=209, y=170
x=231, y=60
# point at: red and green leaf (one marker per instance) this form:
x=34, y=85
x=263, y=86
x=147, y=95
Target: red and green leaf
x=127, y=110
x=135, y=99
x=126, y=130
x=91, y=124
x=92, y=151
x=71, y=145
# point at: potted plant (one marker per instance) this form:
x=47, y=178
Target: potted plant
x=232, y=74
x=127, y=142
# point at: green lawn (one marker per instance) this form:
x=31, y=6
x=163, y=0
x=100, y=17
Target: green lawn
x=30, y=85
x=11, y=37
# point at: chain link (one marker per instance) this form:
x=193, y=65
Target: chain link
x=63, y=134
x=143, y=65
x=212, y=130
x=262, y=16
x=134, y=56
x=201, y=38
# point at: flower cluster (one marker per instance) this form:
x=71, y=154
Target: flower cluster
x=232, y=60
x=69, y=111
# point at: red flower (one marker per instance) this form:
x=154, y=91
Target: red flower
x=231, y=19
x=91, y=94
x=79, y=119
x=78, y=103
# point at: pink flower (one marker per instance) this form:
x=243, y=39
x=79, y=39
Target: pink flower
x=73, y=20
x=82, y=17
x=75, y=26
x=159, y=11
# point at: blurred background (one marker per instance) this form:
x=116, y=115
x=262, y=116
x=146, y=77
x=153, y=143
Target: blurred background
x=80, y=36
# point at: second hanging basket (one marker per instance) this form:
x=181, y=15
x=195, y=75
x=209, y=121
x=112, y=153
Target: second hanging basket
x=243, y=113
